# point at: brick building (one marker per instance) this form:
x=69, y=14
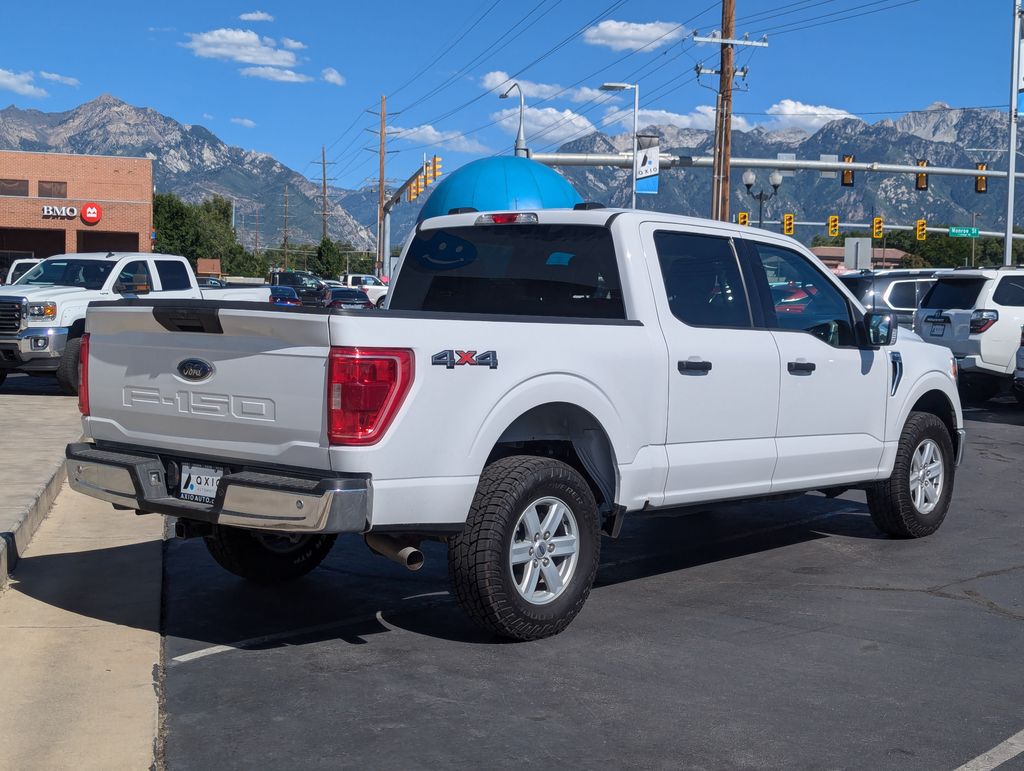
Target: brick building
x=54, y=203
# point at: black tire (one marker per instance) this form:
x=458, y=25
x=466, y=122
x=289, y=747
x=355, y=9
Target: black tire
x=3, y=376
x=978, y=388
x=68, y=370
x=267, y=558
x=380, y=302
x=479, y=562
x=891, y=503
x=1018, y=390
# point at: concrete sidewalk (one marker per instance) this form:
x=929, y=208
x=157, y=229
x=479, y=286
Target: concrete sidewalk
x=80, y=624
x=37, y=423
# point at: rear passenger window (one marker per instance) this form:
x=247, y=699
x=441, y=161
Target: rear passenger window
x=903, y=295
x=702, y=280
x=173, y=275
x=1010, y=292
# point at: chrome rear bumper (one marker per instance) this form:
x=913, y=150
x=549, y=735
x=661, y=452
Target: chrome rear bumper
x=259, y=500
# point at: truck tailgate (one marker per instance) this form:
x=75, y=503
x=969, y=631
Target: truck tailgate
x=262, y=400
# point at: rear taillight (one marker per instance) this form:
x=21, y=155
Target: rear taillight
x=982, y=320
x=365, y=389
x=83, y=378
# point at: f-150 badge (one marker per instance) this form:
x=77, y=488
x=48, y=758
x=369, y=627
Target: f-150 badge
x=453, y=359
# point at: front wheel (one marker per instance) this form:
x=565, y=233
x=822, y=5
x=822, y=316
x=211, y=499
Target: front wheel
x=524, y=563
x=913, y=501
x=267, y=558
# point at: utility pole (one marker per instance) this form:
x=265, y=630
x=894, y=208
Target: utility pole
x=1012, y=150
x=256, y=247
x=974, y=224
x=286, y=227
x=723, y=103
x=380, y=192
x=323, y=187
x=724, y=117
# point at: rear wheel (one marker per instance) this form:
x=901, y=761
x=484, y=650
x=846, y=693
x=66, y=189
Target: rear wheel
x=913, y=501
x=69, y=370
x=267, y=558
x=524, y=563
x=978, y=388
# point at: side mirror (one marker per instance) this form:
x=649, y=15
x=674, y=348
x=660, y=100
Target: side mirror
x=881, y=328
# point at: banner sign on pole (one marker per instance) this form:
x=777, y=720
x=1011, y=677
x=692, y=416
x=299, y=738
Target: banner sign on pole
x=647, y=159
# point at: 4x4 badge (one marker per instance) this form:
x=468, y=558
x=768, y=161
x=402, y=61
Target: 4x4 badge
x=452, y=359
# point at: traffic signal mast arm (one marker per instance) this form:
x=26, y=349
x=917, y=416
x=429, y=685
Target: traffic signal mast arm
x=429, y=172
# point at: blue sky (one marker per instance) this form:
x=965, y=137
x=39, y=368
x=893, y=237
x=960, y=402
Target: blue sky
x=284, y=78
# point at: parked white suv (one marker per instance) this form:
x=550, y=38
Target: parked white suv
x=977, y=314
x=375, y=289
x=535, y=376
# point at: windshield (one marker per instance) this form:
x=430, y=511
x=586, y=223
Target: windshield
x=959, y=293
x=526, y=270
x=87, y=274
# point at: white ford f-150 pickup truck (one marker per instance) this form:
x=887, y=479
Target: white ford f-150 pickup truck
x=42, y=315
x=535, y=377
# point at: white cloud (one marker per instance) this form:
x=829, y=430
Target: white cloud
x=160, y=29
x=331, y=75
x=20, y=83
x=246, y=122
x=256, y=16
x=545, y=123
x=295, y=45
x=499, y=82
x=275, y=74
x=451, y=140
x=630, y=36
x=702, y=117
x=207, y=116
x=239, y=45
x=63, y=79
x=790, y=113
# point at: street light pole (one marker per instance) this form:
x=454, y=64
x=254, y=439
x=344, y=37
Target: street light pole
x=636, y=127
x=774, y=179
x=520, y=146
x=1012, y=153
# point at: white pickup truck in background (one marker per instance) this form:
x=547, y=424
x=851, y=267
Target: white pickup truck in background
x=535, y=376
x=375, y=289
x=42, y=315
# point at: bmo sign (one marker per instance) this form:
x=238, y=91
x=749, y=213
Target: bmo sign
x=91, y=213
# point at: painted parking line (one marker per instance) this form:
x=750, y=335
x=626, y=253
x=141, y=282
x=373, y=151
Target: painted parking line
x=998, y=755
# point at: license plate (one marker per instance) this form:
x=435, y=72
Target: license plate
x=199, y=483
x=938, y=330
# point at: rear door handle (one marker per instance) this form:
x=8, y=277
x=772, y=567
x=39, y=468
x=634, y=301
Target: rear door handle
x=796, y=367
x=694, y=365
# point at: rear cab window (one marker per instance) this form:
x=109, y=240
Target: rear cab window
x=954, y=293
x=174, y=276
x=517, y=270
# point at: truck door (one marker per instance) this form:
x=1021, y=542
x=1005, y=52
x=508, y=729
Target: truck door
x=833, y=397
x=723, y=372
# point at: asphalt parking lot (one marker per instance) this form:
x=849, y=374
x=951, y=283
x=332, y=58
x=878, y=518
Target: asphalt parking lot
x=772, y=635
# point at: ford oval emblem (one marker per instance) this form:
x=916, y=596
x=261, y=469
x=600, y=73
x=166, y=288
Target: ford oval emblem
x=195, y=369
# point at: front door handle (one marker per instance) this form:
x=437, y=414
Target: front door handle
x=694, y=365
x=798, y=367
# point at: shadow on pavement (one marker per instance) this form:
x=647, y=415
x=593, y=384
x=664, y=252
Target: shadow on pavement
x=26, y=385
x=350, y=595
x=1004, y=409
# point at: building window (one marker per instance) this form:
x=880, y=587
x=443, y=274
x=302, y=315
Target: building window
x=14, y=187
x=53, y=189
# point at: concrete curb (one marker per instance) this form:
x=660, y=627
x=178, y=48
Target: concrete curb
x=14, y=541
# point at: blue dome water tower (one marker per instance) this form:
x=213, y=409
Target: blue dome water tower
x=501, y=184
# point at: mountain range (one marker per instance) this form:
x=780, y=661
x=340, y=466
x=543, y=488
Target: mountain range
x=191, y=161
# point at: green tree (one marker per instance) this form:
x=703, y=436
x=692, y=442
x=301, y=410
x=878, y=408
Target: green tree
x=202, y=230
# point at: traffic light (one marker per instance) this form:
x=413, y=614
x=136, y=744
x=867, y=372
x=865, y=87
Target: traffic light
x=877, y=227
x=921, y=230
x=435, y=164
x=743, y=218
x=787, y=224
x=981, y=183
x=833, y=226
x=846, y=179
x=414, y=188
x=922, y=178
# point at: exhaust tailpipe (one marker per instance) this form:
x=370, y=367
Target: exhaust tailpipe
x=405, y=551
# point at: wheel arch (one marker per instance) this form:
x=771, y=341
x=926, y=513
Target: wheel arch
x=570, y=433
x=938, y=403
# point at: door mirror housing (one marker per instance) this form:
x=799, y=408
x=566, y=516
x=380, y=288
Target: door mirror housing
x=881, y=328
x=138, y=285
